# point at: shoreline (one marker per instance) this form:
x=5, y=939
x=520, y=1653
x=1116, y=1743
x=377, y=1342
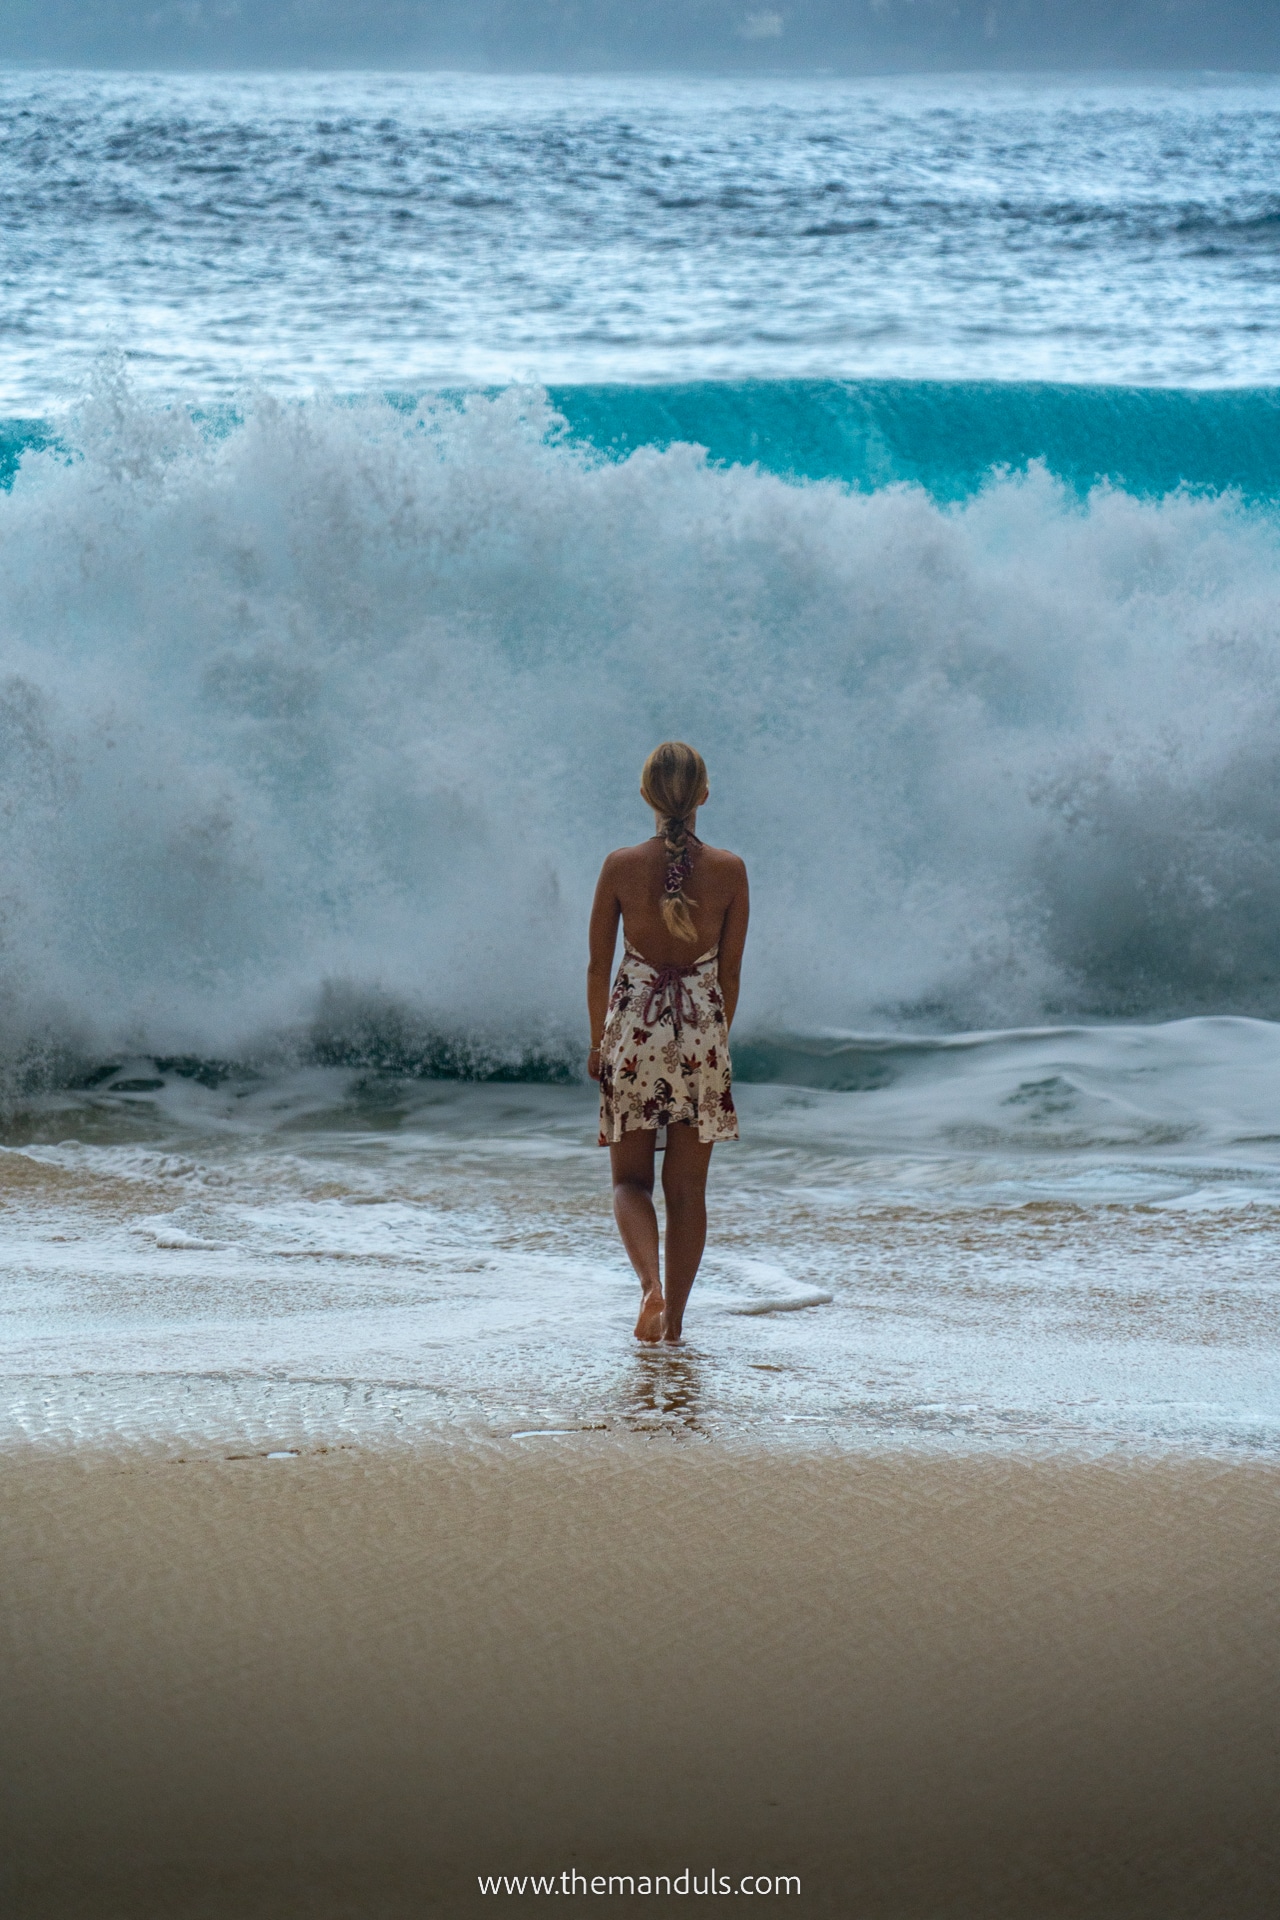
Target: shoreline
x=350, y=1683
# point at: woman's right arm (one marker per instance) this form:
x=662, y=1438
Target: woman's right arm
x=606, y=911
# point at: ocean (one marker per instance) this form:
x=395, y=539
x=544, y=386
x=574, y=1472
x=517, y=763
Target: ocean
x=397, y=230
x=389, y=462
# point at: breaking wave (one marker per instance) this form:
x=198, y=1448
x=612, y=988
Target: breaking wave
x=315, y=728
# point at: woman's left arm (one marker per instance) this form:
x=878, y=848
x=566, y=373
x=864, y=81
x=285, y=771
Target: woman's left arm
x=733, y=938
x=606, y=912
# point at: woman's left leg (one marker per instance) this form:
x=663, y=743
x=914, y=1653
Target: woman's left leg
x=633, y=1209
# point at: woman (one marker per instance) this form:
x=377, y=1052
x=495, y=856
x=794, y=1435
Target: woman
x=660, y=1042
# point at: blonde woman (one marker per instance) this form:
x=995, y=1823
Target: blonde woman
x=660, y=1040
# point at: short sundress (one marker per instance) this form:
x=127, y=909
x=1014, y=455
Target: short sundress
x=664, y=1057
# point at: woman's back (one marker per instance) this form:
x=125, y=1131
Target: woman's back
x=636, y=874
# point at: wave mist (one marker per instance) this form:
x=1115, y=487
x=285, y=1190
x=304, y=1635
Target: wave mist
x=313, y=732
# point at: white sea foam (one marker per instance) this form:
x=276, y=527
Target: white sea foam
x=314, y=734
x=335, y=1257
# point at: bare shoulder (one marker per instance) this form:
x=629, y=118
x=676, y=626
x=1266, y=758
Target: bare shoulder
x=731, y=865
x=621, y=866
x=624, y=857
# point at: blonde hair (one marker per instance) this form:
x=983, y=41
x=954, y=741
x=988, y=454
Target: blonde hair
x=674, y=782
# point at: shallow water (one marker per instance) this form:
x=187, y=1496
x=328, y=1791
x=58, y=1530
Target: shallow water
x=1055, y=1240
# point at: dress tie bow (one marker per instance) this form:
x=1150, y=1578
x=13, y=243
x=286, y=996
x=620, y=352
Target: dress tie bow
x=668, y=993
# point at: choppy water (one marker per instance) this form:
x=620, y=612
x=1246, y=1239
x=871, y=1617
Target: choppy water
x=318, y=713
x=402, y=230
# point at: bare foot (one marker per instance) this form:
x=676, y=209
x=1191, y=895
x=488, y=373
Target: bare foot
x=670, y=1333
x=649, y=1325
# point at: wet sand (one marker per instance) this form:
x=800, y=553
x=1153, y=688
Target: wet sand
x=349, y=1683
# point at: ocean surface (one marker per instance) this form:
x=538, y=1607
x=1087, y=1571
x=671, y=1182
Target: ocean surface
x=388, y=462
x=374, y=231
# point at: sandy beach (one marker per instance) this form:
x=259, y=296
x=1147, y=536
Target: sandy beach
x=349, y=1683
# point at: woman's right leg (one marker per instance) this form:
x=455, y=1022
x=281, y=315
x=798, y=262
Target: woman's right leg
x=633, y=1209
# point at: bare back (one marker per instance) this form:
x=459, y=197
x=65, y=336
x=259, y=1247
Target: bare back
x=630, y=889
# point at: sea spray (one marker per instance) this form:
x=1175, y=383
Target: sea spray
x=315, y=729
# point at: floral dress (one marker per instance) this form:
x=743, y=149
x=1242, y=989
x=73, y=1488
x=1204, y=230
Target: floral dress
x=664, y=1057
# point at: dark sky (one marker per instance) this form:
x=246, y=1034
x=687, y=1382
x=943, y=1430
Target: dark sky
x=848, y=36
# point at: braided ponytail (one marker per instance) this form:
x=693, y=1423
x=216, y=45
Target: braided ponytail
x=674, y=782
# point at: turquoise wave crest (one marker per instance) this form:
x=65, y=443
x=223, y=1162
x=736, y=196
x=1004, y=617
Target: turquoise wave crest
x=947, y=437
